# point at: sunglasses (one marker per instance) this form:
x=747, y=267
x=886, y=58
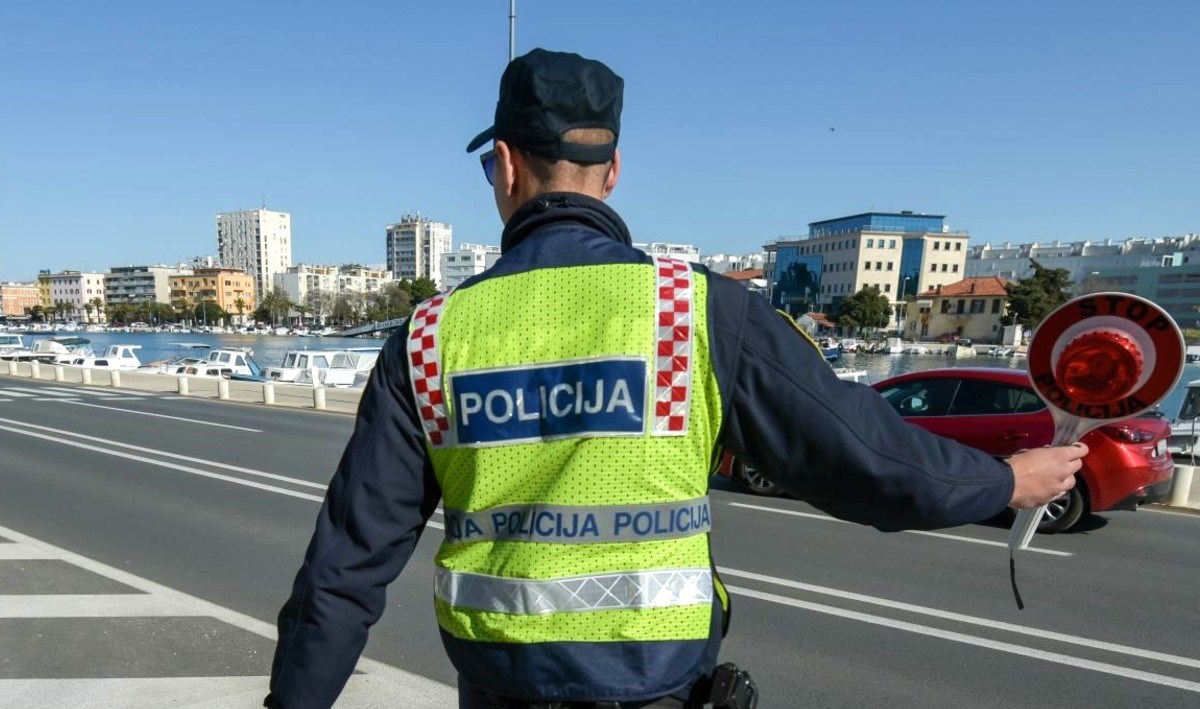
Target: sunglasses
x=488, y=161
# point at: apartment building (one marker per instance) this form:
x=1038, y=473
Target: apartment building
x=257, y=241
x=970, y=308
x=1081, y=258
x=683, y=252
x=901, y=253
x=469, y=260
x=17, y=299
x=302, y=281
x=228, y=288
x=79, y=295
x=415, y=246
x=140, y=285
x=728, y=263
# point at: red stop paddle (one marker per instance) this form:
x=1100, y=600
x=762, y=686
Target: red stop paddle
x=1097, y=359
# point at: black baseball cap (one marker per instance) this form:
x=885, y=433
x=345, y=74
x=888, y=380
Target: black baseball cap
x=544, y=94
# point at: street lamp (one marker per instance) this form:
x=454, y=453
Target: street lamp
x=900, y=304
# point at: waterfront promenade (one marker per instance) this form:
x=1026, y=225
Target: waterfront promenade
x=148, y=538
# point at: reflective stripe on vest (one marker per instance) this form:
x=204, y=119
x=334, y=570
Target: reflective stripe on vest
x=574, y=524
x=425, y=363
x=661, y=588
x=674, y=319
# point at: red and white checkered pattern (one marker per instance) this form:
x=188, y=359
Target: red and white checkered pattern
x=425, y=366
x=674, y=318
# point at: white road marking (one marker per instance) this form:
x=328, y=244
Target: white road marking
x=21, y=552
x=363, y=691
x=381, y=681
x=1193, y=515
x=176, y=456
x=75, y=402
x=165, y=464
x=98, y=392
x=110, y=397
x=99, y=605
x=16, y=394
x=39, y=391
x=5, y=401
x=937, y=535
x=966, y=619
x=1021, y=650
x=175, y=398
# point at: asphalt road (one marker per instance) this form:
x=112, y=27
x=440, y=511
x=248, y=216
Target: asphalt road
x=189, y=518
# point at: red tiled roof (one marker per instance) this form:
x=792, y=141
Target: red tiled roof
x=985, y=286
x=745, y=275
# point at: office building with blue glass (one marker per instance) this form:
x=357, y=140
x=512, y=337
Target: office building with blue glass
x=901, y=254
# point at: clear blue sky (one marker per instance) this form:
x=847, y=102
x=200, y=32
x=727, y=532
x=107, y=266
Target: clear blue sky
x=125, y=126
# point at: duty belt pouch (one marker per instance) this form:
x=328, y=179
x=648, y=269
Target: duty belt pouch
x=732, y=688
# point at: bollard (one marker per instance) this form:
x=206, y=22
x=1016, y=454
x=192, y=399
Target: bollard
x=223, y=389
x=35, y=369
x=319, y=398
x=1182, y=488
x=12, y=367
x=183, y=386
x=87, y=375
x=269, y=393
x=114, y=378
x=60, y=374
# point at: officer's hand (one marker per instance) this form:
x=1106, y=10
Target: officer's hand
x=1044, y=474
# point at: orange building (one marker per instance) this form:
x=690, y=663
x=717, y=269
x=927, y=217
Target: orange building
x=222, y=286
x=17, y=299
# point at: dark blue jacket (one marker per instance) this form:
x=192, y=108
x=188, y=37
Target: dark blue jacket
x=833, y=443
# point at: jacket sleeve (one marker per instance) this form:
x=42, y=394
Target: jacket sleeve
x=374, y=512
x=834, y=443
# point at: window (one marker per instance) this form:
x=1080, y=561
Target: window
x=943, y=268
x=921, y=397
x=891, y=243
x=977, y=306
x=320, y=361
x=889, y=265
x=958, y=246
x=945, y=307
x=954, y=268
x=980, y=398
x=933, y=268
x=962, y=305
x=947, y=246
x=995, y=306
x=870, y=243
x=868, y=265
x=937, y=245
x=879, y=265
x=887, y=287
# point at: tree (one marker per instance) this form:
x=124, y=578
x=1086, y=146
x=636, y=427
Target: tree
x=276, y=304
x=87, y=308
x=240, y=304
x=866, y=308
x=98, y=305
x=1031, y=300
x=420, y=289
x=207, y=311
x=320, y=304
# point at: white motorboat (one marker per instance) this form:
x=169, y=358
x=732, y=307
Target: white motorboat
x=123, y=357
x=894, y=346
x=239, y=361
x=186, y=354
x=60, y=350
x=349, y=369
x=858, y=376
x=297, y=361
x=11, y=343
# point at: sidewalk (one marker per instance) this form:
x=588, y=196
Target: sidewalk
x=343, y=401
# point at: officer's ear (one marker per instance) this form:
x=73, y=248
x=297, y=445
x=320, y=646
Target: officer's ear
x=506, y=179
x=614, y=174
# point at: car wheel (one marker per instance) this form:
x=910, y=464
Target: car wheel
x=757, y=483
x=1063, y=513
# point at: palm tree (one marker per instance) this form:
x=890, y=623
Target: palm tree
x=98, y=304
x=240, y=304
x=87, y=308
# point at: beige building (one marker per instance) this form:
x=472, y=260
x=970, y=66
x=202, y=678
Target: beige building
x=140, y=285
x=415, y=246
x=17, y=299
x=469, y=260
x=901, y=254
x=969, y=308
x=43, y=282
x=222, y=286
x=303, y=280
x=257, y=241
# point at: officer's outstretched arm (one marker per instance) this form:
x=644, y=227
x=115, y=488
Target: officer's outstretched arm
x=834, y=443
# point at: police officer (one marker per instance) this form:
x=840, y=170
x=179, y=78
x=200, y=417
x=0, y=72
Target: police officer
x=566, y=405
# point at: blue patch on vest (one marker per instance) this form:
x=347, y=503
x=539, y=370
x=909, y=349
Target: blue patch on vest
x=604, y=397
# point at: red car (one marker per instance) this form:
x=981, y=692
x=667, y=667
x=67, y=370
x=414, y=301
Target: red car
x=996, y=410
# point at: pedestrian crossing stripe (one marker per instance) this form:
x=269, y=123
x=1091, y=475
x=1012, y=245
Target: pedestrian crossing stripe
x=16, y=394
